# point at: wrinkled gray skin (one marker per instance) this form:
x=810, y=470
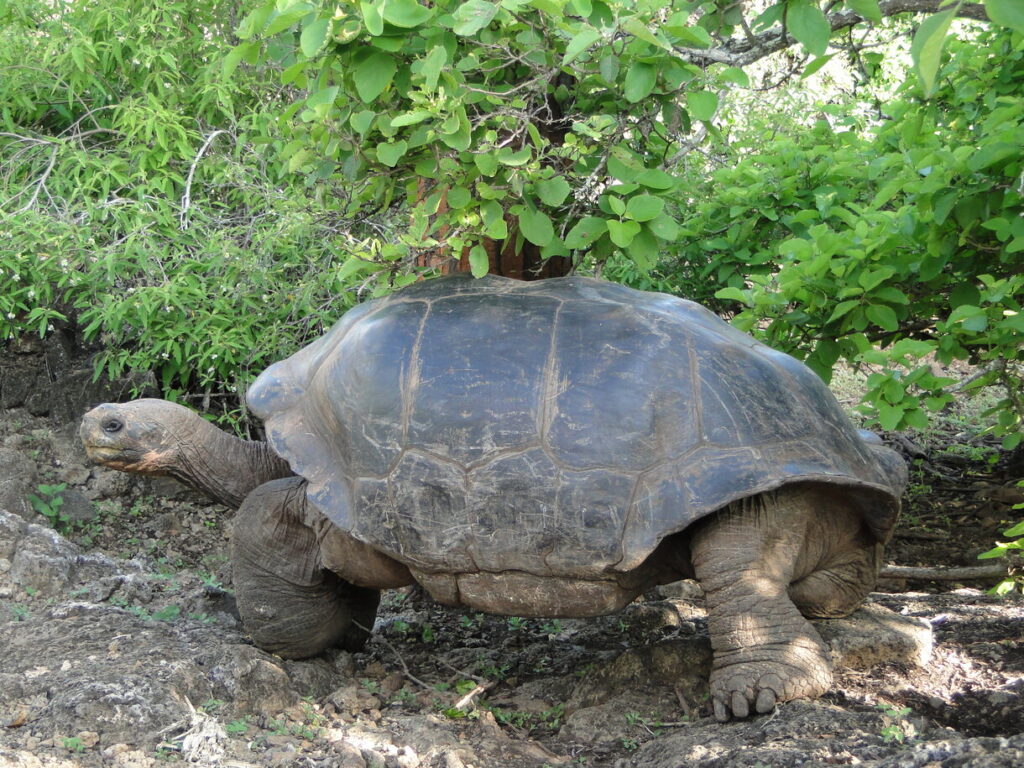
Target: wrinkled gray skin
x=303, y=586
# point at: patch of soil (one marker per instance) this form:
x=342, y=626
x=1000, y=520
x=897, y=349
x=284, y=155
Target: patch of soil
x=122, y=648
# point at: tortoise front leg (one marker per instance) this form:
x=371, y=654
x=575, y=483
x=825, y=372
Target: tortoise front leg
x=290, y=604
x=765, y=651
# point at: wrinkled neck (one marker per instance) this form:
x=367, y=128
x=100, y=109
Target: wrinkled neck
x=224, y=467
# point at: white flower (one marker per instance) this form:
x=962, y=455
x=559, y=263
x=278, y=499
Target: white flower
x=31, y=293
x=10, y=315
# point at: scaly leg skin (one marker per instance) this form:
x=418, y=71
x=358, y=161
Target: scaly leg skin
x=290, y=604
x=746, y=557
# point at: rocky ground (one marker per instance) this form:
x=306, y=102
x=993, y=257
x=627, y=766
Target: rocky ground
x=119, y=646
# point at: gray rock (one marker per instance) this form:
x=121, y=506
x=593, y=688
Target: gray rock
x=12, y=530
x=43, y=561
x=76, y=507
x=993, y=752
x=875, y=635
x=19, y=476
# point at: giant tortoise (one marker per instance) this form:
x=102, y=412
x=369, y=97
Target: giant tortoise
x=549, y=448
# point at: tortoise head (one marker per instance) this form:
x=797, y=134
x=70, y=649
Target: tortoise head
x=142, y=436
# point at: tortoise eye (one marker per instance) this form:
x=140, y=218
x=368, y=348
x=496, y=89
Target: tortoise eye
x=112, y=426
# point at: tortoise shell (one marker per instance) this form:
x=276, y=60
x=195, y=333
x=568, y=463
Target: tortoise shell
x=561, y=427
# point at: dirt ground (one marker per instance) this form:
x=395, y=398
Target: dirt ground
x=119, y=646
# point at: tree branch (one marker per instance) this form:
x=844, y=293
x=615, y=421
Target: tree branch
x=741, y=51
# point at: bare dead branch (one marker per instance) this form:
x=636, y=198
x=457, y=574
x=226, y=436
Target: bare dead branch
x=970, y=573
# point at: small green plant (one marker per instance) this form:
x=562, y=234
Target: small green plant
x=493, y=671
x=630, y=744
x=428, y=635
x=239, y=726
x=895, y=726
x=73, y=744
x=211, y=706
x=1006, y=548
x=516, y=623
x=400, y=627
x=48, y=501
x=552, y=627
x=202, y=618
x=370, y=686
x=170, y=613
x=19, y=612
x=472, y=622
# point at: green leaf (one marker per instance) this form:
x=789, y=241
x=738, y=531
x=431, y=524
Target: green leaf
x=638, y=29
x=536, y=226
x=807, y=23
x=390, y=153
x=644, y=249
x=582, y=40
x=472, y=16
x=640, y=81
x=842, y=308
x=733, y=293
x=486, y=163
x=433, y=63
x=373, y=75
x=586, y=232
x=883, y=316
x=515, y=159
x=494, y=220
x=1009, y=13
x=735, y=75
x=411, y=118
x=372, y=18
x=702, y=104
x=236, y=55
x=553, y=191
x=281, y=20
x=815, y=65
x=361, y=121
x=622, y=232
x=970, y=317
x=889, y=416
x=406, y=13
x=665, y=227
x=655, y=178
x=867, y=8
x=926, y=50
x=644, y=207
x=313, y=37
x=458, y=197
x=479, y=261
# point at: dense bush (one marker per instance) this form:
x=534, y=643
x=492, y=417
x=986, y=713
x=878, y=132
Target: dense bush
x=144, y=196
x=893, y=244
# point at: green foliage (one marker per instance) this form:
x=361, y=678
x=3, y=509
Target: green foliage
x=895, y=726
x=889, y=244
x=73, y=744
x=550, y=122
x=48, y=502
x=147, y=198
x=1006, y=549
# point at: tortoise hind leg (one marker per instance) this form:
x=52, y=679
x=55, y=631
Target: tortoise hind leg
x=290, y=604
x=746, y=557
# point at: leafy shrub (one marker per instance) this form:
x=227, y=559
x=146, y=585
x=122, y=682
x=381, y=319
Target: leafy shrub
x=893, y=244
